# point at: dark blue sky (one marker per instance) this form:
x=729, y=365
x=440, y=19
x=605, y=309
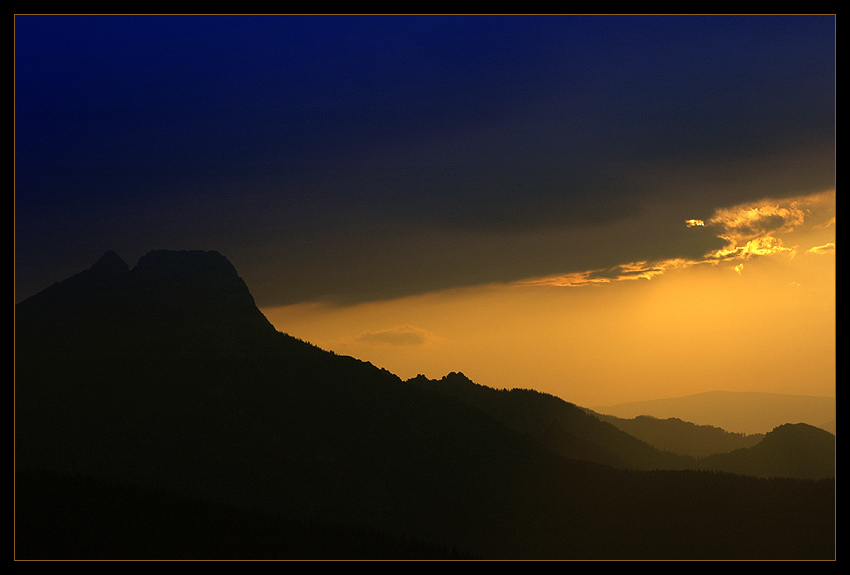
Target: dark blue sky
x=362, y=157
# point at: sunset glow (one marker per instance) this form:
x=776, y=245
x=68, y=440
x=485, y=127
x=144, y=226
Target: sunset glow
x=692, y=326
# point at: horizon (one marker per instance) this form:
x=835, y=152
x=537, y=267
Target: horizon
x=608, y=209
x=411, y=337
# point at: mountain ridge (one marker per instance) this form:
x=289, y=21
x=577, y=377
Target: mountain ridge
x=578, y=433
x=727, y=409
x=561, y=426
x=682, y=437
x=176, y=385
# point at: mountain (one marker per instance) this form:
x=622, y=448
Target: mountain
x=790, y=450
x=158, y=415
x=643, y=443
x=170, y=299
x=737, y=412
x=557, y=425
x=682, y=437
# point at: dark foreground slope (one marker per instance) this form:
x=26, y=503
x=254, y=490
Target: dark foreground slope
x=158, y=415
x=557, y=425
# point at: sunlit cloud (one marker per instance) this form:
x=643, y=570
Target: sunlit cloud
x=754, y=229
x=761, y=246
x=630, y=271
x=754, y=221
x=748, y=230
x=824, y=249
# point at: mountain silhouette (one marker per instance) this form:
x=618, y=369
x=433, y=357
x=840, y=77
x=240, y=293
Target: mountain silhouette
x=682, y=437
x=158, y=415
x=557, y=425
x=735, y=411
x=170, y=299
x=790, y=450
x=643, y=443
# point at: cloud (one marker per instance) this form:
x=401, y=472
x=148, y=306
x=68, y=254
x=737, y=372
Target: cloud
x=759, y=246
x=828, y=223
x=629, y=271
x=747, y=230
x=828, y=248
x=399, y=335
x=754, y=229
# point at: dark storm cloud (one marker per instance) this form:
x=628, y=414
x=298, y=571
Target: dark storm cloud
x=367, y=157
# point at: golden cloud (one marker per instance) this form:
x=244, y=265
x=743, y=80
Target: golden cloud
x=828, y=248
x=754, y=229
x=749, y=230
x=630, y=271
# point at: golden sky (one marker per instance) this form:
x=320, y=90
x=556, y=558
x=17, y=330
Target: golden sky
x=757, y=314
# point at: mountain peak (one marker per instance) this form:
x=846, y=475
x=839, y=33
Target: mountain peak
x=171, y=298
x=196, y=266
x=457, y=377
x=109, y=262
x=201, y=288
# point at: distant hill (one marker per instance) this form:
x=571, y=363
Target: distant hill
x=790, y=450
x=681, y=437
x=643, y=443
x=737, y=412
x=159, y=413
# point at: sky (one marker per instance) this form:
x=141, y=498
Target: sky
x=606, y=208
